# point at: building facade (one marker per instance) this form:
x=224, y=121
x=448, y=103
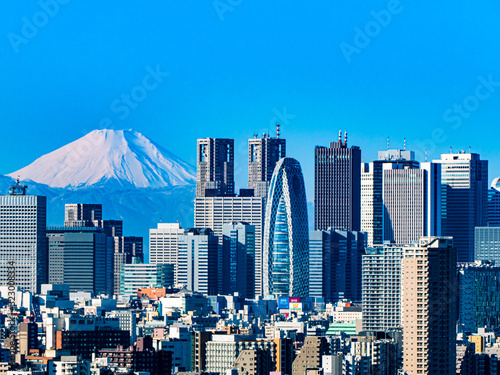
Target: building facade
x=412, y=202
x=81, y=214
x=214, y=212
x=238, y=252
x=23, y=244
x=464, y=197
x=429, y=308
x=163, y=245
x=479, y=301
x=197, y=268
x=81, y=257
x=263, y=154
x=487, y=244
x=139, y=275
x=215, y=168
x=286, y=238
x=382, y=288
x=335, y=264
x=337, y=187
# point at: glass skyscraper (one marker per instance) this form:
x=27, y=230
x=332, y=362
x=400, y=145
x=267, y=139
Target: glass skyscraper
x=286, y=237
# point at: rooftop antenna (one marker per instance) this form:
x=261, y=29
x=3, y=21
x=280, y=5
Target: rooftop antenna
x=345, y=138
x=450, y=150
x=340, y=136
x=277, y=131
x=469, y=149
x=426, y=155
x=387, y=143
x=264, y=135
x=404, y=144
x=255, y=135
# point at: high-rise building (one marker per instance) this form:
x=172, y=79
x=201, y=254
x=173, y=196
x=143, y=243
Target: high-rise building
x=494, y=203
x=238, y=252
x=126, y=251
x=411, y=200
x=81, y=214
x=337, y=187
x=335, y=264
x=464, y=199
x=263, y=154
x=487, y=244
x=479, y=301
x=286, y=238
x=81, y=257
x=23, y=243
x=197, y=267
x=215, y=170
x=163, y=245
x=138, y=275
x=214, y=212
x=429, y=306
x=400, y=200
x=382, y=288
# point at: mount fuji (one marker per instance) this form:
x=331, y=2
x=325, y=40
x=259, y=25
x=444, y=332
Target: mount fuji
x=110, y=158
x=135, y=179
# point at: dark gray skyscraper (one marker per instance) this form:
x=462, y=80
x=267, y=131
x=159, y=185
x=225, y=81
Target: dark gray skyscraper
x=464, y=199
x=337, y=188
x=263, y=154
x=215, y=170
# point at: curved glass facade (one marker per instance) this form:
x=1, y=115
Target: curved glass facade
x=286, y=236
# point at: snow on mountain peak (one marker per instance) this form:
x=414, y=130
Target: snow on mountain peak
x=110, y=158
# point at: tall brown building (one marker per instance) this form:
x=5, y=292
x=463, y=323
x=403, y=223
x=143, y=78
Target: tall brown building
x=310, y=355
x=429, y=307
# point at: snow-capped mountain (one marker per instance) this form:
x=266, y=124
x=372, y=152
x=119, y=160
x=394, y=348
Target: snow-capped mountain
x=135, y=180
x=110, y=158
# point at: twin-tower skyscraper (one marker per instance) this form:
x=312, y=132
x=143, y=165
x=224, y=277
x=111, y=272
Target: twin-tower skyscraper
x=274, y=203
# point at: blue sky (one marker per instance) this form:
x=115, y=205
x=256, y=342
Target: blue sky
x=425, y=70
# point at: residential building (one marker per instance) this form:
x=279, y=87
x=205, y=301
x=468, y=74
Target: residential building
x=23, y=245
x=464, y=197
x=337, y=187
x=310, y=355
x=286, y=238
x=429, y=306
x=382, y=288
